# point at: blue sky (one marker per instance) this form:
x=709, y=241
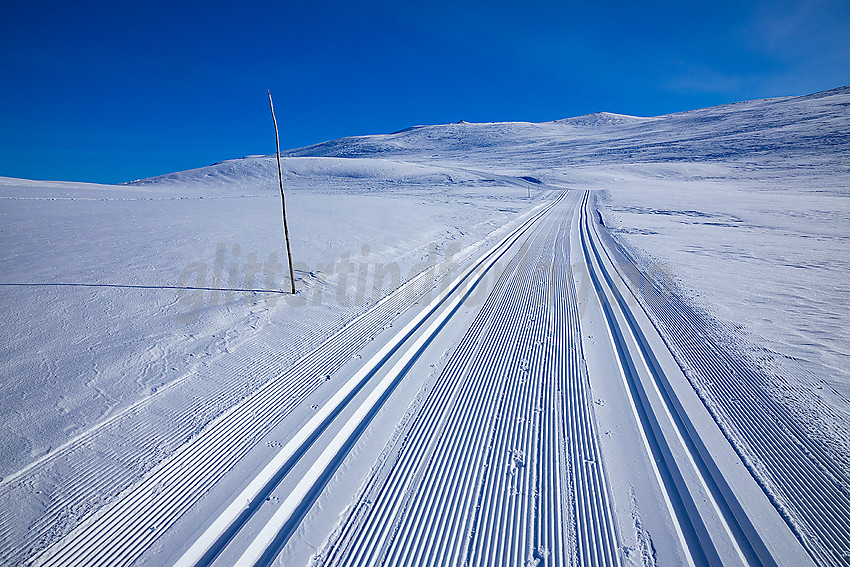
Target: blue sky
x=114, y=91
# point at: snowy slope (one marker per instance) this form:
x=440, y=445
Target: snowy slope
x=136, y=314
x=95, y=321
x=130, y=314
x=768, y=131
x=704, y=192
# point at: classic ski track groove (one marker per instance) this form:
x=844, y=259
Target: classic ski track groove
x=725, y=517
x=177, y=483
x=807, y=477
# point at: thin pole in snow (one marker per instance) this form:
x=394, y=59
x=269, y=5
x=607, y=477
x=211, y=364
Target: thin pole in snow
x=282, y=197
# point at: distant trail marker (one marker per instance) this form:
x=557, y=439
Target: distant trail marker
x=282, y=197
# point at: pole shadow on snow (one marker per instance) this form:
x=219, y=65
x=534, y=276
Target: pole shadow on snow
x=130, y=286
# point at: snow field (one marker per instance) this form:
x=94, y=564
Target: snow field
x=720, y=514
x=702, y=417
x=143, y=367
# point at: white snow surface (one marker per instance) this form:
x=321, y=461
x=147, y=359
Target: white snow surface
x=118, y=295
x=746, y=204
x=94, y=317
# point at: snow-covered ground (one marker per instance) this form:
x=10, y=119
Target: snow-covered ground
x=136, y=314
x=765, y=253
x=746, y=204
x=95, y=317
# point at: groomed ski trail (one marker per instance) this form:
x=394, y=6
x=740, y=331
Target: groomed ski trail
x=805, y=481
x=123, y=530
x=721, y=515
x=501, y=463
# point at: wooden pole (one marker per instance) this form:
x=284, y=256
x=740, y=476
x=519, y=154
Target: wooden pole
x=282, y=197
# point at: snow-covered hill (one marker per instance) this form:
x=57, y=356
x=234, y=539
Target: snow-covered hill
x=135, y=314
x=767, y=131
x=744, y=202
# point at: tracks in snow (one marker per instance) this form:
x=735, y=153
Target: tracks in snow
x=500, y=464
x=121, y=532
x=263, y=548
x=721, y=515
x=809, y=485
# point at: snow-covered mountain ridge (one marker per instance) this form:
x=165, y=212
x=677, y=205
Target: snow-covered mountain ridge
x=777, y=128
x=806, y=130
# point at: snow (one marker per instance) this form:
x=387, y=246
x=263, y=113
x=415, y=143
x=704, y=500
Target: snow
x=121, y=338
x=94, y=322
x=152, y=307
x=746, y=203
x=780, y=252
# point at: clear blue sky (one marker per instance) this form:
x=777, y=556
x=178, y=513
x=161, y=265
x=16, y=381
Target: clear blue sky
x=114, y=91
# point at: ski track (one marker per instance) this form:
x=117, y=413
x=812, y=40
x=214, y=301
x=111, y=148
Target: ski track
x=501, y=464
x=179, y=482
x=804, y=479
x=285, y=520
